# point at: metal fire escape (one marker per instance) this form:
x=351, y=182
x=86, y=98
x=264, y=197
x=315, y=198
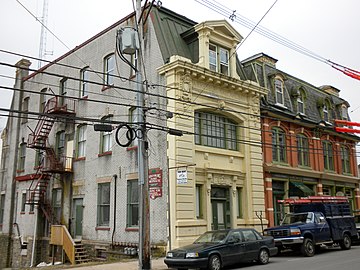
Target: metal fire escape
x=51, y=163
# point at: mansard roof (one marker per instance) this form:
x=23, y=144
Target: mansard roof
x=262, y=69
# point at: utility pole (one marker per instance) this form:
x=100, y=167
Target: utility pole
x=143, y=170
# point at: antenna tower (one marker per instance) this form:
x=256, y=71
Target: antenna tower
x=43, y=33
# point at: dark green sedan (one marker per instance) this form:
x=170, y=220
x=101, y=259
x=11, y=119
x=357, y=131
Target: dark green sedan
x=215, y=249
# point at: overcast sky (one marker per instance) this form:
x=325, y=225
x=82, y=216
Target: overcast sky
x=329, y=28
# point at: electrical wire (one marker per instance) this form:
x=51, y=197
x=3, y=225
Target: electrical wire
x=131, y=136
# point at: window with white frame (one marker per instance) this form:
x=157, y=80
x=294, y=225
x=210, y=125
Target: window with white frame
x=106, y=138
x=326, y=111
x=43, y=99
x=22, y=156
x=132, y=203
x=109, y=69
x=215, y=131
x=63, y=91
x=84, y=82
x=218, y=59
x=81, y=141
x=103, y=209
x=279, y=91
x=301, y=102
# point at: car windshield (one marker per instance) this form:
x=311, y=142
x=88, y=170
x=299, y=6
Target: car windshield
x=297, y=218
x=212, y=237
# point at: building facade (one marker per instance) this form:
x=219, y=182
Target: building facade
x=61, y=177
x=219, y=108
x=303, y=155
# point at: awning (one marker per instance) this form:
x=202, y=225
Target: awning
x=304, y=188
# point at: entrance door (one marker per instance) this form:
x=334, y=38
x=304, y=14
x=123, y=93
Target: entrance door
x=278, y=208
x=218, y=213
x=77, y=218
x=220, y=205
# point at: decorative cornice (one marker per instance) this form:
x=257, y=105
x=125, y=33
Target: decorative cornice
x=180, y=65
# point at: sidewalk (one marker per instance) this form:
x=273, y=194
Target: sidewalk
x=156, y=264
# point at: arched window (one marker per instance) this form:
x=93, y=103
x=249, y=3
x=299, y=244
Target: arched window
x=279, y=91
x=328, y=153
x=301, y=101
x=278, y=145
x=43, y=99
x=326, y=111
x=215, y=130
x=303, y=150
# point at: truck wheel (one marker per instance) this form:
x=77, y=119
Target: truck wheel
x=308, y=248
x=346, y=242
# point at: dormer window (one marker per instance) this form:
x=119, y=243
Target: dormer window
x=300, y=101
x=344, y=113
x=300, y=104
x=279, y=91
x=326, y=112
x=218, y=59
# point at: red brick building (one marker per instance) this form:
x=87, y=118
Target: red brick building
x=302, y=153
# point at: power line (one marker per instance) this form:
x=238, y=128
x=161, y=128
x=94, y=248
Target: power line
x=238, y=18
x=89, y=121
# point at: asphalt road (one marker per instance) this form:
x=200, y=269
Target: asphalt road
x=330, y=259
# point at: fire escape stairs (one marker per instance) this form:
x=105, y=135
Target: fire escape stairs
x=38, y=140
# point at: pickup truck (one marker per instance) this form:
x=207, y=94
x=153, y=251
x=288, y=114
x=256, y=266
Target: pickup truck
x=314, y=221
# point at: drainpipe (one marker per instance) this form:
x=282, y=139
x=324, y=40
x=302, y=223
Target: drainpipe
x=113, y=233
x=21, y=71
x=34, y=237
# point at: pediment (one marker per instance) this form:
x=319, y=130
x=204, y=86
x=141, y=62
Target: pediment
x=219, y=28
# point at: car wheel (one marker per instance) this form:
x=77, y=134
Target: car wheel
x=263, y=256
x=346, y=242
x=214, y=262
x=308, y=248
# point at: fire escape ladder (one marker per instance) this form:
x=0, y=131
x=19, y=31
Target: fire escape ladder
x=36, y=195
x=49, y=213
x=52, y=163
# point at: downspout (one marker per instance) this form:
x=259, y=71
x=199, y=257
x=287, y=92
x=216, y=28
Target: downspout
x=21, y=71
x=113, y=233
x=34, y=237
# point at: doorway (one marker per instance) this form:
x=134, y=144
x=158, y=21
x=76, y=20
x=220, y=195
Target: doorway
x=220, y=205
x=77, y=218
